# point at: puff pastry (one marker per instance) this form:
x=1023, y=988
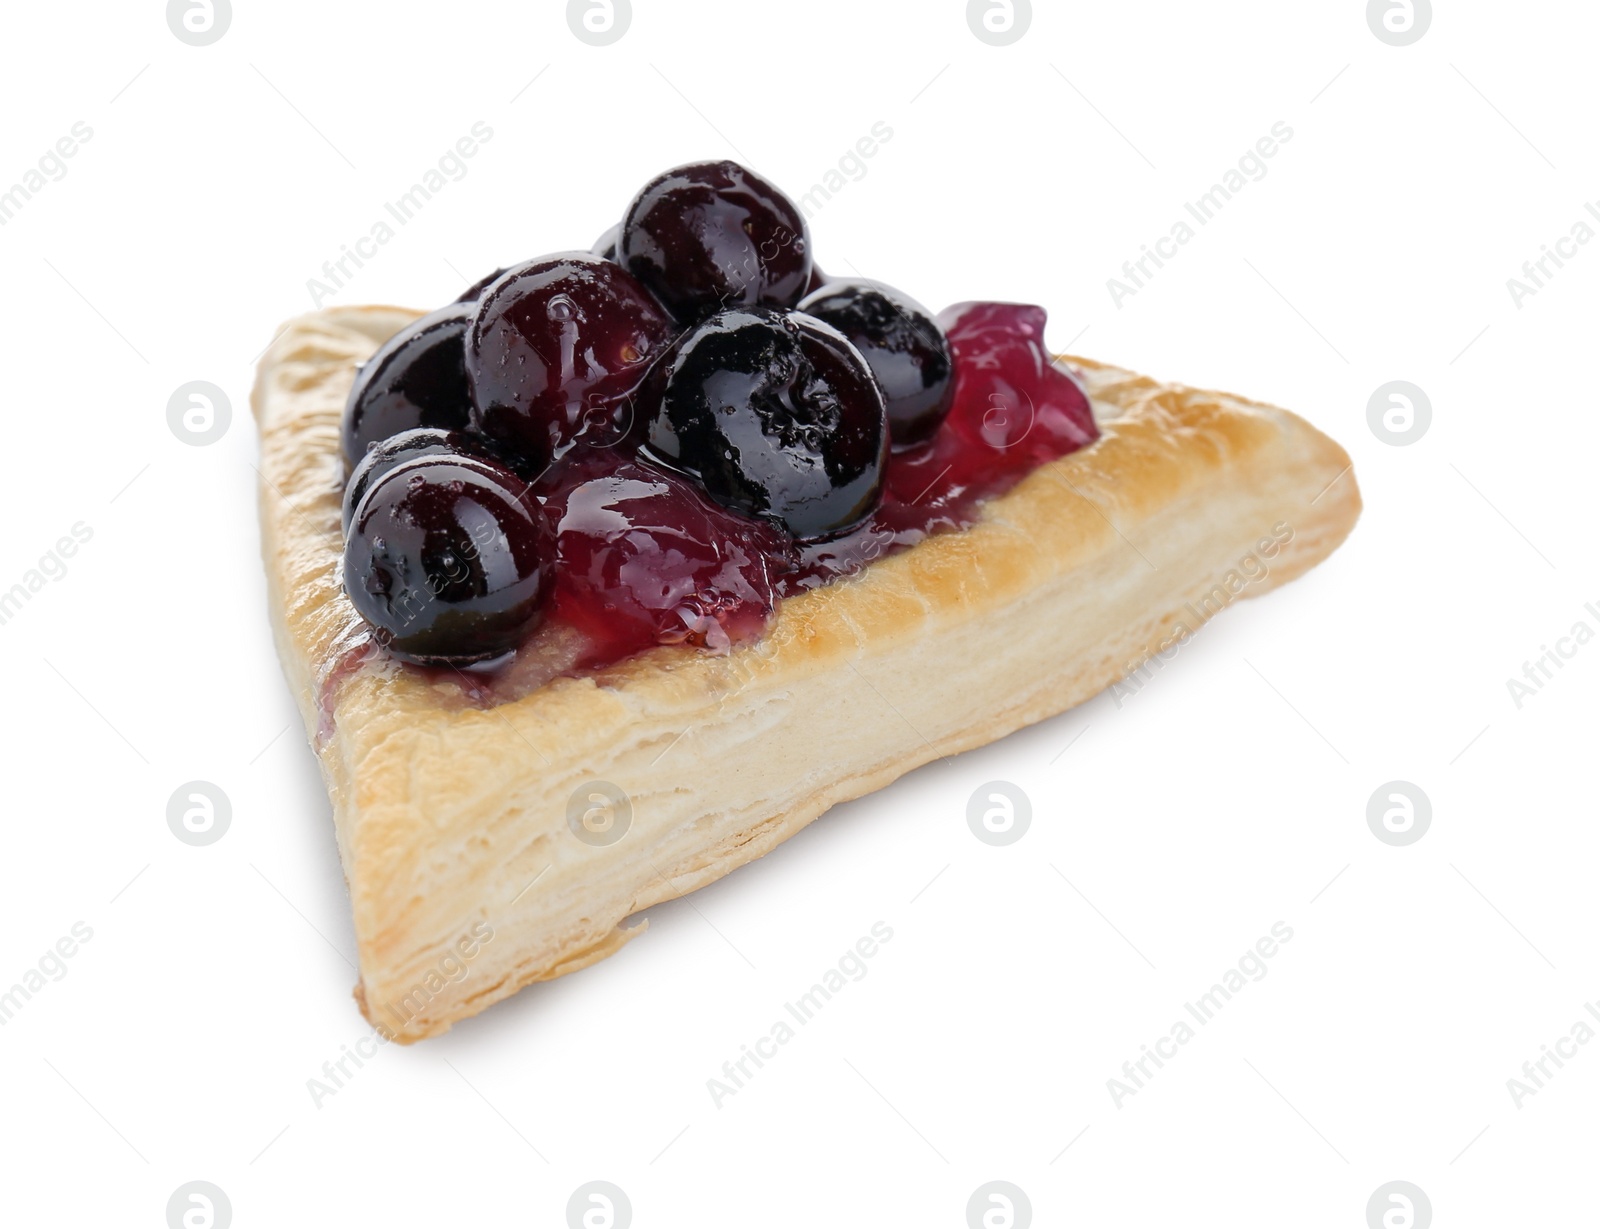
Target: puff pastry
x=466, y=880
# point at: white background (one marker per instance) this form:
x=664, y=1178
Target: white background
x=1227, y=795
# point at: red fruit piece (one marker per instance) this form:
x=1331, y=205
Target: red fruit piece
x=644, y=558
x=1009, y=394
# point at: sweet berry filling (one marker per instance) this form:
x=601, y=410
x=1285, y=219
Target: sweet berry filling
x=644, y=557
x=592, y=454
x=1013, y=406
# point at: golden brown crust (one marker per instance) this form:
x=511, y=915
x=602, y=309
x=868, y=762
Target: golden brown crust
x=452, y=820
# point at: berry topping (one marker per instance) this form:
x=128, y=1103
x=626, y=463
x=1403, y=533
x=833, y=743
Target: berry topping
x=749, y=429
x=448, y=560
x=556, y=351
x=643, y=557
x=713, y=235
x=901, y=343
x=408, y=446
x=1010, y=395
x=777, y=416
x=475, y=291
x=416, y=379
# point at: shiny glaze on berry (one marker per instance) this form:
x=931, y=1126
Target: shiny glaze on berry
x=902, y=344
x=555, y=352
x=777, y=416
x=937, y=486
x=448, y=561
x=643, y=557
x=416, y=379
x=605, y=247
x=713, y=235
x=408, y=446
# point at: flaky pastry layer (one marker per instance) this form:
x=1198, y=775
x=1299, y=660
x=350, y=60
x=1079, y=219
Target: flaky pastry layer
x=466, y=878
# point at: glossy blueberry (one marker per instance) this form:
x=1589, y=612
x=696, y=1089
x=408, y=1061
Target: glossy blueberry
x=417, y=378
x=408, y=446
x=713, y=235
x=777, y=416
x=905, y=348
x=555, y=352
x=449, y=561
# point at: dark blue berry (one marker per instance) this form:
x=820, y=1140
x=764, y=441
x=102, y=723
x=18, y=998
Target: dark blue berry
x=777, y=416
x=713, y=235
x=408, y=446
x=449, y=561
x=555, y=352
x=417, y=378
x=905, y=348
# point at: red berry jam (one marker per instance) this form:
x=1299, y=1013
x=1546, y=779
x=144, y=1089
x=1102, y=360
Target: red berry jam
x=643, y=556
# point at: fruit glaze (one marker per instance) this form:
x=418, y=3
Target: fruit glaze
x=655, y=442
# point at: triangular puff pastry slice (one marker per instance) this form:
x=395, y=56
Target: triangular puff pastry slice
x=456, y=823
